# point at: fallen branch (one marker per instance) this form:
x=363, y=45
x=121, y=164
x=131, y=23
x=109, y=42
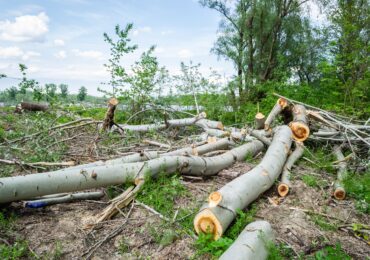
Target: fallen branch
x=339, y=190
x=284, y=186
x=77, y=179
x=299, y=125
x=251, y=243
x=15, y=162
x=216, y=215
x=281, y=104
x=40, y=203
x=28, y=106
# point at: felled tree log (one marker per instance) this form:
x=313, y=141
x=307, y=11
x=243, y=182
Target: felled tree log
x=43, y=202
x=299, y=125
x=206, y=123
x=251, y=243
x=109, y=116
x=32, y=107
x=339, y=191
x=279, y=106
x=284, y=186
x=259, y=120
x=169, y=123
x=69, y=180
x=216, y=215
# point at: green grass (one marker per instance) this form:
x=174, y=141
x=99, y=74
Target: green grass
x=357, y=186
x=279, y=251
x=15, y=251
x=205, y=243
x=331, y=253
x=323, y=223
x=313, y=181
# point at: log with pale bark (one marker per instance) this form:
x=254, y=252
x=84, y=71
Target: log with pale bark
x=216, y=215
x=285, y=185
x=28, y=106
x=339, y=190
x=259, y=121
x=280, y=105
x=251, y=243
x=109, y=116
x=299, y=125
x=169, y=123
x=77, y=179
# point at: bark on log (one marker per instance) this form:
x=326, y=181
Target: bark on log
x=218, y=214
x=279, y=106
x=339, y=191
x=167, y=124
x=69, y=180
x=206, y=123
x=284, y=186
x=109, y=116
x=43, y=202
x=33, y=106
x=299, y=125
x=259, y=120
x=251, y=243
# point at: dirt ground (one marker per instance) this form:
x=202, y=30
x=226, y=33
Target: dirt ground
x=59, y=229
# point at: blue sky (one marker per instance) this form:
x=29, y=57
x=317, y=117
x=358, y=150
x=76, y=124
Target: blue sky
x=61, y=41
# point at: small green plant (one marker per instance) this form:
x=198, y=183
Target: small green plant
x=323, y=223
x=279, y=251
x=206, y=245
x=357, y=186
x=331, y=253
x=241, y=221
x=15, y=251
x=123, y=247
x=161, y=192
x=312, y=181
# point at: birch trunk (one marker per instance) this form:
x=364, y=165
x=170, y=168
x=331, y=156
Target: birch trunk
x=167, y=124
x=284, y=186
x=299, y=125
x=279, y=106
x=251, y=243
x=339, y=191
x=259, y=120
x=218, y=214
x=69, y=180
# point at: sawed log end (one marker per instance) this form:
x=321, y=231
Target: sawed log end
x=206, y=222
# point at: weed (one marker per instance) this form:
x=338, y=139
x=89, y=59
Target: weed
x=357, y=186
x=206, y=245
x=313, y=181
x=331, y=253
x=123, y=247
x=279, y=251
x=15, y=251
x=161, y=192
x=241, y=221
x=322, y=223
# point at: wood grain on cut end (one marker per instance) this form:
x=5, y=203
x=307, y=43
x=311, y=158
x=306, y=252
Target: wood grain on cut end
x=283, y=102
x=220, y=126
x=300, y=131
x=113, y=101
x=339, y=193
x=283, y=189
x=205, y=222
x=214, y=199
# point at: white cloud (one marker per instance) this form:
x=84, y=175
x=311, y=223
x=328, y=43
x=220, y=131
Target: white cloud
x=145, y=29
x=159, y=50
x=88, y=54
x=59, y=42
x=60, y=55
x=14, y=52
x=185, y=53
x=25, y=28
x=167, y=32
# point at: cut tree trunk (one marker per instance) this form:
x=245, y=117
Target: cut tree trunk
x=259, y=120
x=77, y=179
x=206, y=123
x=218, y=214
x=284, y=186
x=299, y=125
x=339, y=191
x=109, y=116
x=32, y=107
x=279, y=106
x=251, y=243
x=167, y=124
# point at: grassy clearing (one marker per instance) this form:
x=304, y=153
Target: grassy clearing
x=358, y=187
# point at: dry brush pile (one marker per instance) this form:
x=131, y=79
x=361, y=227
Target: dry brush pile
x=216, y=147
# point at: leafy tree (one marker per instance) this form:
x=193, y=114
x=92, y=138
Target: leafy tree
x=82, y=93
x=12, y=92
x=38, y=92
x=63, y=90
x=50, y=91
x=118, y=48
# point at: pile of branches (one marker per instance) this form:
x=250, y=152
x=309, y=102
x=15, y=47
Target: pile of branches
x=216, y=148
